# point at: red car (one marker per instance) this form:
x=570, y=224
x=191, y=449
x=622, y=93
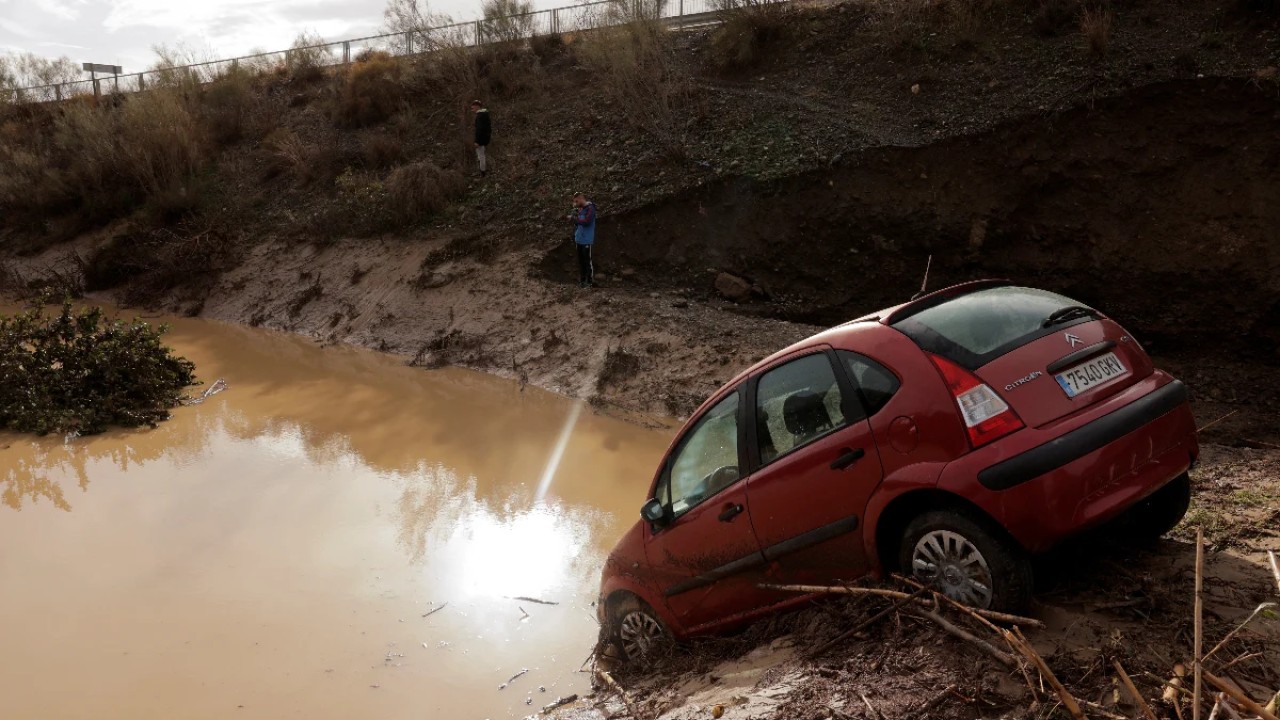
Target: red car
x=951, y=437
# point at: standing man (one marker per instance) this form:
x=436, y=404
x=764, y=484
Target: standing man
x=584, y=236
x=484, y=131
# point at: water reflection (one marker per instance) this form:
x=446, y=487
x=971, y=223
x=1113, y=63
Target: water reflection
x=279, y=544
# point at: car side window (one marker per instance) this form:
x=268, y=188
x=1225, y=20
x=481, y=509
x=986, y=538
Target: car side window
x=797, y=403
x=707, y=459
x=876, y=383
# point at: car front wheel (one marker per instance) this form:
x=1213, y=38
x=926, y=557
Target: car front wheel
x=637, y=631
x=958, y=555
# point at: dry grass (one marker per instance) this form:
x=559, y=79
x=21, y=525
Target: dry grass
x=637, y=70
x=306, y=59
x=421, y=189
x=381, y=150
x=749, y=28
x=1095, y=25
x=371, y=91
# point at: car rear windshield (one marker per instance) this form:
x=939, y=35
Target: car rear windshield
x=974, y=329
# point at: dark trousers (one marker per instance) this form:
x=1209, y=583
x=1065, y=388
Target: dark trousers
x=586, y=271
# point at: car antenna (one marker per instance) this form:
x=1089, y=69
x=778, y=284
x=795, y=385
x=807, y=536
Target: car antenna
x=924, y=283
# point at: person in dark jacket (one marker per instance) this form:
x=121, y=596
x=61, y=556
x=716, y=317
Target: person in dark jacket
x=484, y=132
x=584, y=237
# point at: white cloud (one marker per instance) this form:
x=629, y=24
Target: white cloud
x=62, y=9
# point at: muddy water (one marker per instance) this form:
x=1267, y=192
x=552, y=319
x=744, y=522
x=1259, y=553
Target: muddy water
x=272, y=552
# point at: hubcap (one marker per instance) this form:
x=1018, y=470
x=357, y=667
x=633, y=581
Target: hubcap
x=951, y=564
x=639, y=633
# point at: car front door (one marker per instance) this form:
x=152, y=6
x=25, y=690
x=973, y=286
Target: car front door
x=816, y=467
x=704, y=556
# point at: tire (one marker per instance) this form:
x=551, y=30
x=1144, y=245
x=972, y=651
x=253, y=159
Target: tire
x=1159, y=513
x=981, y=565
x=637, y=632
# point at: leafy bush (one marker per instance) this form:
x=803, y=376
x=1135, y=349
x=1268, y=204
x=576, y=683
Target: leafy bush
x=420, y=189
x=371, y=91
x=79, y=372
x=228, y=101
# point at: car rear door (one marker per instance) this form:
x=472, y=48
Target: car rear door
x=705, y=559
x=1046, y=355
x=816, y=467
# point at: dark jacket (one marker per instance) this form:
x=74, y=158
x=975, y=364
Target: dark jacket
x=484, y=127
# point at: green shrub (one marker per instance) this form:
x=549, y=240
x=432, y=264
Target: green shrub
x=80, y=372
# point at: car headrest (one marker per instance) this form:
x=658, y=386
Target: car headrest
x=805, y=415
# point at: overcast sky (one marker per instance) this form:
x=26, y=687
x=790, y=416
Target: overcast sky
x=122, y=32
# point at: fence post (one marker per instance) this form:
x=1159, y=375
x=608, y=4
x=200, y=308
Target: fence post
x=57, y=92
x=681, y=14
x=142, y=82
x=408, y=42
x=477, y=33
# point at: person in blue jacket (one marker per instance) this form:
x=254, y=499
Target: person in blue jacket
x=584, y=236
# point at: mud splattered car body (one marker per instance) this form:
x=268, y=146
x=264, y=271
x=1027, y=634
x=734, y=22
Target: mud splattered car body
x=952, y=437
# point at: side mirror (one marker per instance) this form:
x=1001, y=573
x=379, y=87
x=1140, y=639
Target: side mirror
x=654, y=511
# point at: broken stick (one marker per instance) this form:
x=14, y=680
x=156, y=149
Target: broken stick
x=559, y=702
x=1019, y=641
x=1275, y=568
x=895, y=594
x=534, y=600
x=1133, y=691
x=433, y=611
x=1198, y=667
x=1239, y=696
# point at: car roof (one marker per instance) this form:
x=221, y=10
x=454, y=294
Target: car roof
x=886, y=316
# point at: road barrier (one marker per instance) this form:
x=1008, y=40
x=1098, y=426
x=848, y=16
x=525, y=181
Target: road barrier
x=554, y=21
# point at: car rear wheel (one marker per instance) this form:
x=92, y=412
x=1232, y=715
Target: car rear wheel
x=961, y=557
x=1159, y=513
x=637, y=631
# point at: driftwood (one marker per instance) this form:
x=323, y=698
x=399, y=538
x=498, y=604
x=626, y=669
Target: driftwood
x=896, y=595
x=536, y=601
x=622, y=693
x=1019, y=641
x=1133, y=691
x=1236, y=694
x=433, y=611
x=558, y=703
x=935, y=701
x=897, y=605
x=512, y=679
x=967, y=636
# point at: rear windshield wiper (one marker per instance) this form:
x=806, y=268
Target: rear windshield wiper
x=1071, y=312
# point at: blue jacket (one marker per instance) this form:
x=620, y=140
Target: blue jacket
x=584, y=219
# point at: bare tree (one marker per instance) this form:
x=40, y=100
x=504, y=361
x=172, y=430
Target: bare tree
x=506, y=20
x=412, y=20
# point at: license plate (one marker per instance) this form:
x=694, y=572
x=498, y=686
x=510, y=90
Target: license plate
x=1095, y=373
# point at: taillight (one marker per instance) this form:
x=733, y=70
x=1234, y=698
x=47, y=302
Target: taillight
x=986, y=415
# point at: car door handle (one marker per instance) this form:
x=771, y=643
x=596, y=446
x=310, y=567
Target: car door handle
x=730, y=512
x=848, y=456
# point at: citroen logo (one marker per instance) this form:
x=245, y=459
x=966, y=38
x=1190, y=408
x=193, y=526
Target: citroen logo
x=1072, y=339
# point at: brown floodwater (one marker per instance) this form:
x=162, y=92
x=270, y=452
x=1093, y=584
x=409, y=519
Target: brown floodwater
x=272, y=552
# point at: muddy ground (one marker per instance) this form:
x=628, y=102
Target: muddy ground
x=1100, y=602
x=1144, y=183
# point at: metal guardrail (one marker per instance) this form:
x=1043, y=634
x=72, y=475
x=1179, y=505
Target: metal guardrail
x=474, y=33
